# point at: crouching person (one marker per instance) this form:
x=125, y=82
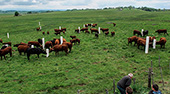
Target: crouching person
x=155, y=89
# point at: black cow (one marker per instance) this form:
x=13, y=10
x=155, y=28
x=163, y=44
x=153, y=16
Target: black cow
x=145, y=32
x=3, y=47
x=34, y=51
x=40, y=41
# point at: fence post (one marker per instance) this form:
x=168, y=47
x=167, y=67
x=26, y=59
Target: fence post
x=113, y=86
x=149, y=78
x=161, y=73
x=78, y=91
x=152, y=72
x=147, y=45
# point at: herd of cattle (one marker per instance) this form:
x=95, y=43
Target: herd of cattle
x=55, y=44
x=142, y=41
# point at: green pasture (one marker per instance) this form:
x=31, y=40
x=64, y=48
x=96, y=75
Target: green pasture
x=92, y=66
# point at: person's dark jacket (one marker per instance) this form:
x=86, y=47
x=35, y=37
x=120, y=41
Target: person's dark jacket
x=124, y=82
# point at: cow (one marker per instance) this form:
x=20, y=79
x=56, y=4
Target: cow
x=132, y=39
x=84, y=29
x=43, y=33
x=162, y=31
x=106, y=33
x=104, y=29
x=35, y=43
x=96, y=35
x=75, y=41
x=73, y=37
x=63, y=29
x=38, y=29
x=40, y=41
x=34, y=51
x=137, y=32
x=58, y=48
x=48, y=32
x=3, y=47
x=161, y=42
x=113, y=33
x=16, y=45
x=23, y=48
x=114, y=24
x=9, y=43
x=57, y=30
x=48, y=44
x=5, y=51
x=94, y=30
x=69, y=44
x=1, y=41
x=57, y=33
x=141, y=42
x=145, y=32
x=93, y=25
x=87, y=31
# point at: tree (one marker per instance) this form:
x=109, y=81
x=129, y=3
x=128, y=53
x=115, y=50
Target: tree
x=16, y=13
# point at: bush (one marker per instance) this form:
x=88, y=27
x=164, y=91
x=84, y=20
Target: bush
x=16, y=13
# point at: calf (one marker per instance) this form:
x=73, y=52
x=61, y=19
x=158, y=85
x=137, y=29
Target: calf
x=132, y=39
x=69, y=44
x=5, y=51
x=94, y=30
x=75, y=41
x=104, y=29
x=113, y=33
x=137, y=32
x=23, y=48
x=161, y=42
x=162, y=31
x=58, y=48
x=48, y=44
x=84, y=29
x=34, y=51
x=141, y=42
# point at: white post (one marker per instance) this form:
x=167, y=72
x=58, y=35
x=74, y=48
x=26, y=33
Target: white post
x=32, y=46
x=79, y=29
x=40, y=27
x=84, y=25
x=61, y=40
x=6, y=45
x=7, y=35
x=99, y=30
x=147, y=45
x=39, y=23
x=47, y=51
x=59, y=27
x=142, y=32
x=43, y=43
x=154, y=43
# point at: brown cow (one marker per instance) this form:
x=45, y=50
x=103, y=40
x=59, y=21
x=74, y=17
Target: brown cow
x=48, y=32
x=114, y=24
x=93, y=25
x=137, y=32
x=43, y=33
x=84, y=29
x=113, y=33
x=48, y=44
x=38, y=29
x=104, y=29
x=77, y=30
x=35, y=43
x=162, y=31
x=63, y=29
x=69, y=44
x=5, y=51
x=73, y=37
x=106, y=33
x=162, y=42
x=1, y=41
x=57, y=30
x=16, y=45
x=94, y=30
x=132, y=39
x=23, y=48
x=141, y=42
x=57, y=33
x=58, y=48
x=75, y=41
x=87, y=31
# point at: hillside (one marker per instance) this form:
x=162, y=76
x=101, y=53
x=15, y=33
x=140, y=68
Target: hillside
x=92, y=65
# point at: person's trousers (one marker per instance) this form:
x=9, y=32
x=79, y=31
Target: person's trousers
x=122, y=91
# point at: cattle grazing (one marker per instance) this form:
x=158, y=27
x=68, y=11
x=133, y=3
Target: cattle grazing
x=84, y=29
x=5, y=51
x=73, y=37
x=141, y=42
x=96, y=35
x=94, y=30
x=48, y=44
x=40, y=41
x=43, y=33
x=114, y=24
x=161, y=42
x=16, y=45
x=104, y=29
x=106, y=33
x=162, y=31
x=137, y=32
x=35, y=43
x=145, y=32
x=57, y=41
x=48, y=32
x=87, y=31
x=58, y=48
x=75, y=41
x=34, y=51
x=38, y=29
x=132, y=39
x=69, y=44
x=9, y=43
x=1, y=41
x=113, y=33
x=57, y=33
x=23, y=48
x=57, y=30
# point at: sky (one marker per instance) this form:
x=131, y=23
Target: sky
x=79, y=4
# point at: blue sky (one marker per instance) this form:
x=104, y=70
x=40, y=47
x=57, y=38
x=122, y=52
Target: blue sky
x=79, y=4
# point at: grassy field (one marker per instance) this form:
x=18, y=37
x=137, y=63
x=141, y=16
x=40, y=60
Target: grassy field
x=92, y=65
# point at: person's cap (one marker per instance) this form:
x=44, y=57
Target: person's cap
x=130, y=75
